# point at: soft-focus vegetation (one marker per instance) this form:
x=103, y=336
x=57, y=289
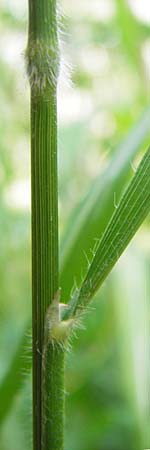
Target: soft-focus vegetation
x=103, y=132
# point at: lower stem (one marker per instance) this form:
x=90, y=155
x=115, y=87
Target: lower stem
x=53, y=397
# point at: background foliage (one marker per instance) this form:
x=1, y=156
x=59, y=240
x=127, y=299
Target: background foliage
x=106, y=46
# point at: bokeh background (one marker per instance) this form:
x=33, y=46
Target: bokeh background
x=103, y=100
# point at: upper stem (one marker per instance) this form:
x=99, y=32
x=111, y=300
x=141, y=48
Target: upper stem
x=43, y=64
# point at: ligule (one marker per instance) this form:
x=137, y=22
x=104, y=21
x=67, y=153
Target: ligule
x=57, y=330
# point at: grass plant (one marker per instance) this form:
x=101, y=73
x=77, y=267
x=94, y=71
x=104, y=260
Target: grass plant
x=60, y=294
x=53, y=322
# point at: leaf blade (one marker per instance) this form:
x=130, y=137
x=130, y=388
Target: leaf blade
x=132, y=210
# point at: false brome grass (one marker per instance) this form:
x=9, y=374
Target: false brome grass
x=53, y=322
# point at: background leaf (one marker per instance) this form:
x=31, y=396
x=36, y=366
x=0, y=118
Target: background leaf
x=90, y=218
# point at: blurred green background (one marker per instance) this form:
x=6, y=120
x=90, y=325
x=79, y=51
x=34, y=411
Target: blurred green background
x=103, y=131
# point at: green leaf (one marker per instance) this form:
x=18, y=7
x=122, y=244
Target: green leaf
x=89, y=219
x=14, y=380
x=132, y=210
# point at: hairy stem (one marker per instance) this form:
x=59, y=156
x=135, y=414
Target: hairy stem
x=53, y=400
x=42, y=57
